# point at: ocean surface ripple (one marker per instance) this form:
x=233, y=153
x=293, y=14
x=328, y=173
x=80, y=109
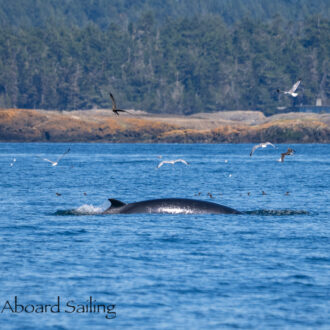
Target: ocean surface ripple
x=267, y=268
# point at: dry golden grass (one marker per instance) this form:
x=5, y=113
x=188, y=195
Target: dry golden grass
x=54, y=126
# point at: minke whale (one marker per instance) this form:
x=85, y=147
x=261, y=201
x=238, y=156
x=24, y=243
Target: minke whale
x=169, y=205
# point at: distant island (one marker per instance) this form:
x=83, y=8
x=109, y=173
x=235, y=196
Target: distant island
x=165, y=57
x=21, y=125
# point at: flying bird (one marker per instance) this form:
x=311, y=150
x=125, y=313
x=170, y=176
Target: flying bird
x=12, y=164
x=261, y=145
x=114, y=106
x=172, y=162
x=55, y=163
x=288, y=153
x=292, y=90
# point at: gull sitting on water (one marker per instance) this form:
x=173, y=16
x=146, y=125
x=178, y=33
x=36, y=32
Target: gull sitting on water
x=114, y=106
x=261, y=145
x=172, y=162
x=292, y=90
x=55, y=163
x=290, y=152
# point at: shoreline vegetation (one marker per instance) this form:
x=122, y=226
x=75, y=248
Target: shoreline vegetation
x=22, y=125
x=180, y=67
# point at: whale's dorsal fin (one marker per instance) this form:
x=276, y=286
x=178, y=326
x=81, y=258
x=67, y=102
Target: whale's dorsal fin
x=116, y=203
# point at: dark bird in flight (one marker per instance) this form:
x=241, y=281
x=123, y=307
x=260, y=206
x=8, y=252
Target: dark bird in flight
x=290, y=152
x=114, y=106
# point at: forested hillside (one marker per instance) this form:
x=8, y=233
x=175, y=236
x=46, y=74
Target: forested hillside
x=105, y=12
x=174, y=65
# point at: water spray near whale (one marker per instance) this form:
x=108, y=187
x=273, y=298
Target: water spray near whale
x=171, y=206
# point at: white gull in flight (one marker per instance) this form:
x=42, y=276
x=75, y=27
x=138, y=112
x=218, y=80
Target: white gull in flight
x=172, y=162
x=292, y=90
x=55, y=163
x=261, y=145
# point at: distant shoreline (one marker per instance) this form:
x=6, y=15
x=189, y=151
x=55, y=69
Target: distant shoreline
x=101, y=126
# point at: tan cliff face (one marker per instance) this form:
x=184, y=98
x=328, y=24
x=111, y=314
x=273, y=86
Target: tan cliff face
x=20, y=125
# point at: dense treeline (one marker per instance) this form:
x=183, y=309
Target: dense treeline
x=104, y=12
x=182, y=66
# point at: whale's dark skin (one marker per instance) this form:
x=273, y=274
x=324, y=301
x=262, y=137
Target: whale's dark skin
x=169, y=205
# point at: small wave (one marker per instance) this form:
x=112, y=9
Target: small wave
x=81, y=210
x=278, y=212
x=20, y=227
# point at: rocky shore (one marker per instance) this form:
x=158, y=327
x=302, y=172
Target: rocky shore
x=21, y=125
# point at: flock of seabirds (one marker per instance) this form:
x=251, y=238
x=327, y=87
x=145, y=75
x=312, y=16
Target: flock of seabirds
x=289, y=152
x=116, y=111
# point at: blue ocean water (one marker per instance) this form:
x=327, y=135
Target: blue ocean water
x=268, y=268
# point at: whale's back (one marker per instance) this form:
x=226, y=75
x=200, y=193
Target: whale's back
x=170, y=205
